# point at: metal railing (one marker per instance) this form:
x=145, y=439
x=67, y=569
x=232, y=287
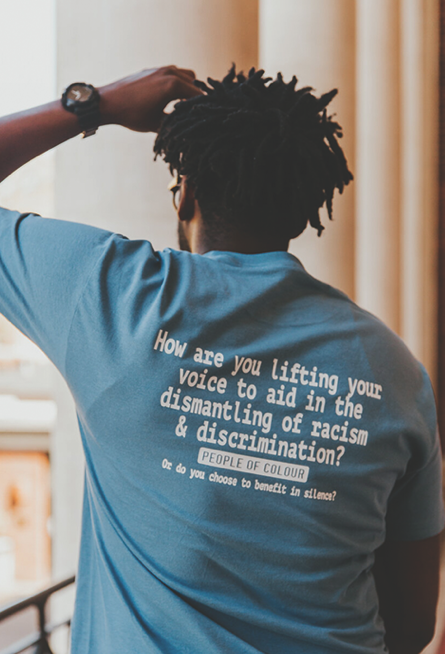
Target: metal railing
x=39, y=639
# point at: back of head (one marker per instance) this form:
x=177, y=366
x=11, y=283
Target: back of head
x=260, y=154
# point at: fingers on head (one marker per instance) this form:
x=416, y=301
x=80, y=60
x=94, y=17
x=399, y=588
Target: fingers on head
x=181, y=87
x=186, y=90
x=184, y=73
x=188, y=72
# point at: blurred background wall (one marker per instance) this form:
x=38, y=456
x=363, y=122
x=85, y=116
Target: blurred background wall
x=382, y=55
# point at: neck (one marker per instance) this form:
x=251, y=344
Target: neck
x=234, y=240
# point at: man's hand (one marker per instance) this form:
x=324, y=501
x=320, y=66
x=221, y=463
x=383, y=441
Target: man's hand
x=138, y=102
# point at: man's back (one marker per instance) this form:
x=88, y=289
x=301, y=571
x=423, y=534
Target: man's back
x=251, y=438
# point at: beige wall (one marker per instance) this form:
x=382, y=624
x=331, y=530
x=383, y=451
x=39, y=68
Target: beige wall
x=27, y=79
x=378, y=183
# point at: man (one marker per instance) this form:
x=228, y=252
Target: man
x=263, y=472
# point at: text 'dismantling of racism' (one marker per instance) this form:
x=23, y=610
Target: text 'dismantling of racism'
x=249, y=425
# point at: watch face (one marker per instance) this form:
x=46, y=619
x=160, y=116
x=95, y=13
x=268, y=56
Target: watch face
x=79, y=93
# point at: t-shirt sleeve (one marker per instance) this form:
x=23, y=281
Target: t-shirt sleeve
x=44, y=267
x=415, y=507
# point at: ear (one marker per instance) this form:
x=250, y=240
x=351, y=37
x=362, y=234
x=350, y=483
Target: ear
x=186, y=208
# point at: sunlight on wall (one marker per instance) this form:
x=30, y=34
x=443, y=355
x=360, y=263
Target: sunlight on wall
x=27, y=79
x=27, y=53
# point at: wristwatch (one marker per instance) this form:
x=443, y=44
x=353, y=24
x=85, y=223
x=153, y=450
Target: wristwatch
x=83, y=100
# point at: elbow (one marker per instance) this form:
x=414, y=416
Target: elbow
x=426, y=636
x=412, y=640
x=423, y=634
x=421, y=641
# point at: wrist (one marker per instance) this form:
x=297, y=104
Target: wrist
x=83, y=100
x=107, y=107
x=111, y=109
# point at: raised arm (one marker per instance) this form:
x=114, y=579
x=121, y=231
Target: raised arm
x=407, y=579
x=136, y=102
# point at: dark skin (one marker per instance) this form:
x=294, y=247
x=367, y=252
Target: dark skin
x=406, y=573
x=196, y=236
x=136, y=102
x=407, y=580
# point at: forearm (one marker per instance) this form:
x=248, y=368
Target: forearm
x=136, y=102
x=26, y=135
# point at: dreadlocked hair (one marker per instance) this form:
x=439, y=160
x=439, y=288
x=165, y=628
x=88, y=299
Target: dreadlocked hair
x=257, y=152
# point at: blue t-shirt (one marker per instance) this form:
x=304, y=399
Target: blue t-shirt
x=251, y=438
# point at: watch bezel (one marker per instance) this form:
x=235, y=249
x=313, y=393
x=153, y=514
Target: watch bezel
x=72, y=105
x=87, y=110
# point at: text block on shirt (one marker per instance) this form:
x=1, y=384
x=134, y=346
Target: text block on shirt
x=253, y=465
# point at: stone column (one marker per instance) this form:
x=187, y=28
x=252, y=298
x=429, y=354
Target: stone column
x=378, y=265
x=316, y=41
x=420, y=102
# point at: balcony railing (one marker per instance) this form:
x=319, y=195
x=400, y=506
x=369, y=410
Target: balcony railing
x=39, y=639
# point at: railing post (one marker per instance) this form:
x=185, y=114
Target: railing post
x=43, y=646
x=37, y=640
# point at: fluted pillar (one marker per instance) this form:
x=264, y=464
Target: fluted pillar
x=378, y=170
x=316, y=41
x=420, y=102
x=397, y=136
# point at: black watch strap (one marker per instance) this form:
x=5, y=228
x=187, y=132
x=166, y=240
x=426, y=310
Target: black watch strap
x=88, y=120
